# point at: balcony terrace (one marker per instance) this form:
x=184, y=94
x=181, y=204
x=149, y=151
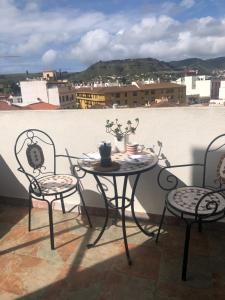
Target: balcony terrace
x=30, y=270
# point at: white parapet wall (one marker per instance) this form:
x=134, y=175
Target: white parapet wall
x=184, y=133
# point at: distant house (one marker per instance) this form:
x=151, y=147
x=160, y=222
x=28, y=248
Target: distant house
x=222, y=90
x=131, y=95
x=49, y=90
x=200, y=88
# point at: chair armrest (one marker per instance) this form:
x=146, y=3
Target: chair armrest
x=74, y=168
x=34, y=185
x=170, y=180
x=211, y=205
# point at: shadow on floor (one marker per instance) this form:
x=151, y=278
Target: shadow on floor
x=30, y=270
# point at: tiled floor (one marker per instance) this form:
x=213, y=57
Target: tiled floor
x=30, y=270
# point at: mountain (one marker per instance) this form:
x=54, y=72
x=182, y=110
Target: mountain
x=128, y=66
x=126, y=69
x=203, y=66
x=129, y=69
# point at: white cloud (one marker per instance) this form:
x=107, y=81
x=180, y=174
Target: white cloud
x=86, y=37
x=49, y=57
x=187, y=3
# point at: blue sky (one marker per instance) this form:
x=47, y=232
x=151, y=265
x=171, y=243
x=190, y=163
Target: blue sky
x=71, y=35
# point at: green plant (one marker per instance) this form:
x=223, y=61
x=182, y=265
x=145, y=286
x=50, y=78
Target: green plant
x=116, y=128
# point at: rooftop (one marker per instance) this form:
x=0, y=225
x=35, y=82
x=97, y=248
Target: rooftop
x=41, y=106
x=4, y=105
x=124, y=88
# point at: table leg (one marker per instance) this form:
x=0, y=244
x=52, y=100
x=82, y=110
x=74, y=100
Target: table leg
x=115, y=219
x=106, y=216
x=124, y=221
x=132, y=209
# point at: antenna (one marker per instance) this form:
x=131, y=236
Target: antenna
x=9, y=56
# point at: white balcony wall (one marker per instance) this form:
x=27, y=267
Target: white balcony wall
x=184, y=132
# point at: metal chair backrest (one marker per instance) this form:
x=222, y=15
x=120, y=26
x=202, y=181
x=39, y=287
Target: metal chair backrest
x=214, y=163
x=35, y=153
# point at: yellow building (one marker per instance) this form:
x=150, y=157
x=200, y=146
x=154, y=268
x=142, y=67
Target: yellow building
x=131, y=95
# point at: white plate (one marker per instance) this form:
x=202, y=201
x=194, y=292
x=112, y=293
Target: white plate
x=138, y=158
x=91, y=156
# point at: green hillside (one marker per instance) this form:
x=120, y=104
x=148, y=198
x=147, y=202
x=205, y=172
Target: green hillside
x=128, y=70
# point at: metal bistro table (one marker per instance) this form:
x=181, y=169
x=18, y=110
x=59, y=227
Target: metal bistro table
x=126, y=168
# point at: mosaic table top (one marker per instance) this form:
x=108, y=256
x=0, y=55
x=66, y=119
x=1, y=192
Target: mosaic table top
x=135, y=164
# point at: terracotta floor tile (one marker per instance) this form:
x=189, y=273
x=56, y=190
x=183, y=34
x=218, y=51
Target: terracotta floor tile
x=7, y=296
x=21, y=274
x=31, y=270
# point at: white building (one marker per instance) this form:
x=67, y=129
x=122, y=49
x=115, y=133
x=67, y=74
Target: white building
x=222, y=90
x=200, y=87
x=49, y=91
x=37, y=90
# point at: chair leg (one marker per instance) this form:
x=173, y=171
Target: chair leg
x=29, y=213
x=62, y=204
x=186, y=248
x=84, y=206
x=200, y=226
x=160, y=225
x=50, y=214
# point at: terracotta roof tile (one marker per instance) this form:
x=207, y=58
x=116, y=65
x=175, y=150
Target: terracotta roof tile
x=42, y=106
x=127, y=88
x=5, y=106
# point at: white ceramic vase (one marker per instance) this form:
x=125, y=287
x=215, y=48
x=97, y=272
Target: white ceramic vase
x=121, y=145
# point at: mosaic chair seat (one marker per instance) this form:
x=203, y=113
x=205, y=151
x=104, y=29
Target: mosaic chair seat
x=200, y=204
x=36, y=155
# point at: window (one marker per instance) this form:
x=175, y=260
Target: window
x=146, y=92
x=134, y=93
x=117, y=95
x=125, y=94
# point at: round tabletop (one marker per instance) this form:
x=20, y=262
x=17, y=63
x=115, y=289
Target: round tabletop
x=126, y=165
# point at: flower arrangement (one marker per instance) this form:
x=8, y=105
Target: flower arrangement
x=116, y=128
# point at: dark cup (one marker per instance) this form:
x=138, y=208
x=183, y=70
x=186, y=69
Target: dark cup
x=105, y=153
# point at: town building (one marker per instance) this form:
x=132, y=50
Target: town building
x=48, y=89
x=222, y=90
x=200, y=88
x=131, y=95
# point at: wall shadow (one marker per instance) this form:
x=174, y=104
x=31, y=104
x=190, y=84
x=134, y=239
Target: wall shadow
x=7, y=177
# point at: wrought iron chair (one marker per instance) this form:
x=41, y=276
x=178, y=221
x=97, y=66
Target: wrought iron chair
x=45, y=184
x=197, y=204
